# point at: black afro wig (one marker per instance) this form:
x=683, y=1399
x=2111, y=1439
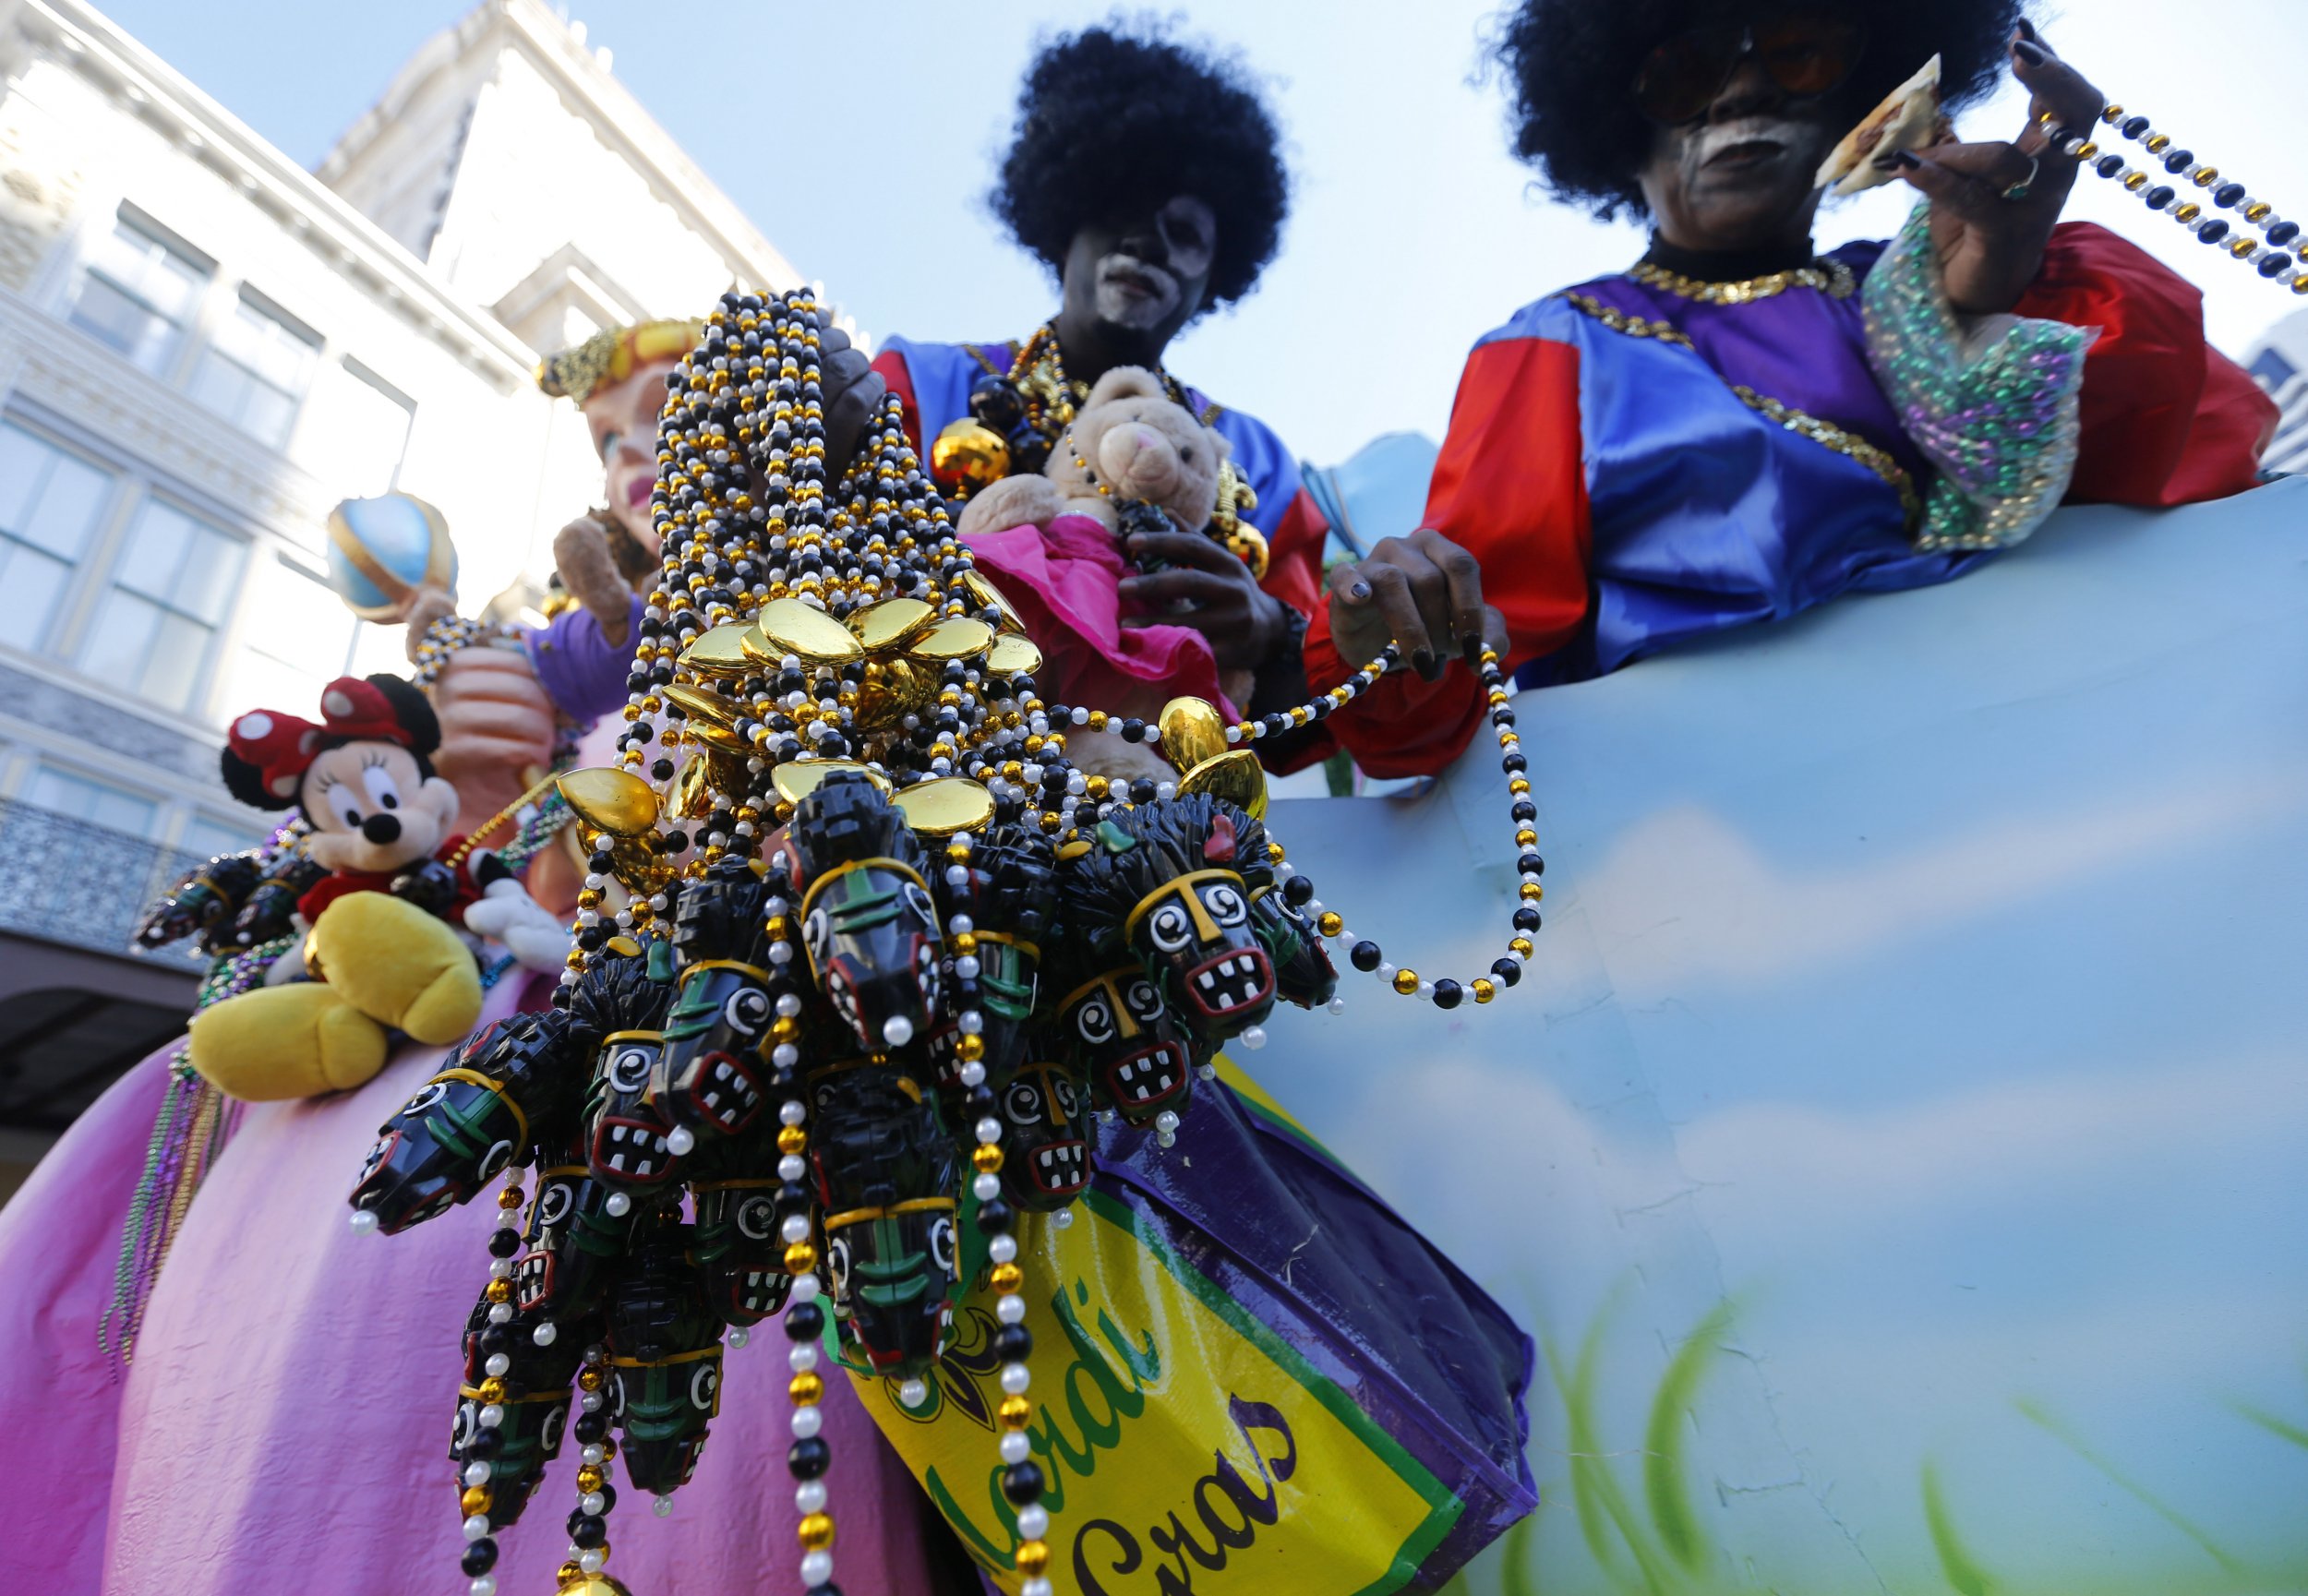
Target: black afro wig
x=1571, y=67
x=1117, y=119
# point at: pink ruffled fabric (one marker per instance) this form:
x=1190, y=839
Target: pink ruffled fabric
x=1066, y=586
x=284, y=1426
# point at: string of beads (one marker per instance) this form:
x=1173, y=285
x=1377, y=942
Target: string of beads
x=752, y=523
x=2266, y=255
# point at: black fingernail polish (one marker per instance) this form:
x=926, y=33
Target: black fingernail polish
x=2027, y=29
x=1423, y=662
x=1472, y=647
x=2033, y=55
x=1906, y=158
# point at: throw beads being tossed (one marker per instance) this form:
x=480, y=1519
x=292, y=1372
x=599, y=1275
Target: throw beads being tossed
x=2200, y=213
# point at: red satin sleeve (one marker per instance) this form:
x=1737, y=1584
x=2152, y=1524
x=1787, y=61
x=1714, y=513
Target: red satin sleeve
x=892, y=367
x=1294, y=576
x=2167, y=419
x=1294, y=555
x=1512, y=489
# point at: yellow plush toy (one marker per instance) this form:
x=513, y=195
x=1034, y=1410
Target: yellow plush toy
x=382, y=945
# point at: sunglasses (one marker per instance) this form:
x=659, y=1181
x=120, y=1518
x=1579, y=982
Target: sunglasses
x=1804, y=53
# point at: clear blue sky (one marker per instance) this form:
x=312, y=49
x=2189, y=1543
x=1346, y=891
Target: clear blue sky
x=1413, y=232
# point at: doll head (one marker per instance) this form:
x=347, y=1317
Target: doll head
x=363, y=775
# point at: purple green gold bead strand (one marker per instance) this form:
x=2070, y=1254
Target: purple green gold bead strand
x=2268, y=255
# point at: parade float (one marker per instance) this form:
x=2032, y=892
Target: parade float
x=1886, y=1152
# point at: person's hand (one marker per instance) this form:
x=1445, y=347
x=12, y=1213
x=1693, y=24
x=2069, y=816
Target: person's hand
x=495, y=727
x=1423, y=592
x=426, y=606
x=850, y=388
x=1207, y=587
x=1990, y=246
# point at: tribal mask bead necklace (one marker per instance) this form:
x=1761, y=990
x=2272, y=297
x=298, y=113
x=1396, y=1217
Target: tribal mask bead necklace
x=840, y=844
x=2268, y=254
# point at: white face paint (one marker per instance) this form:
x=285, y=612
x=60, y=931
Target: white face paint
x=1140, y=294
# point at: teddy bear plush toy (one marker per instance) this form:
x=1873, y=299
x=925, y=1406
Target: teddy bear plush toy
x=1054, y=544
x=380, y=939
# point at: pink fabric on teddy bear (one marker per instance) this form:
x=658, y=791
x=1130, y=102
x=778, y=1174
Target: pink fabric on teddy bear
x=1052, y=543
x=1065, y=581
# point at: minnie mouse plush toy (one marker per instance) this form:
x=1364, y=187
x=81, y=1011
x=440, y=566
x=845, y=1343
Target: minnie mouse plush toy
x=380, y=943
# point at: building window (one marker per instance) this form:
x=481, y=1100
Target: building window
x=49, y=503
x=359, y=433
x=299, y=638
x=157, y=628
x=138, y=291
x=208, y=838
x=62, y=792
x=256, y=373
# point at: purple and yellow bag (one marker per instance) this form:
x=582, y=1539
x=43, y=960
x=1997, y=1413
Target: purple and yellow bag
x=1250, y=1377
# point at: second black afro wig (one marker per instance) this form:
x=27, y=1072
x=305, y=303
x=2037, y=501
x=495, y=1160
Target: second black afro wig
x=1117, y=119
x=1571, y=67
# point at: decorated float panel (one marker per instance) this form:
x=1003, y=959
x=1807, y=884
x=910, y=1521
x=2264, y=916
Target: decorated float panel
x=1895, y=1146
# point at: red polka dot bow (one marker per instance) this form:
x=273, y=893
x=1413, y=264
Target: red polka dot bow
x=283, y=746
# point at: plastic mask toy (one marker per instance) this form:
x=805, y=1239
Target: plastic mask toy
x=888, y=1183
x=1045, y=1138
x=665, y=1360
x=1194, y=932
x=534, y=1406
x=873, y=939
x=628, y=1144
x=1123, y=1038
x=461, y=1129
x=713, y=1075
x=571, y=1245
x=737, y=1246
x=868, y=921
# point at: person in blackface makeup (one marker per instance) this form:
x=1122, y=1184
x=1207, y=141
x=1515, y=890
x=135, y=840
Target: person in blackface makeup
x=1736, y=428
x=1146, y=176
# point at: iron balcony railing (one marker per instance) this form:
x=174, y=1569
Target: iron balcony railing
x=71, y=881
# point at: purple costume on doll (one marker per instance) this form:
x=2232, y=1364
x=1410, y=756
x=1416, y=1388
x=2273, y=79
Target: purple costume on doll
x=582, y=671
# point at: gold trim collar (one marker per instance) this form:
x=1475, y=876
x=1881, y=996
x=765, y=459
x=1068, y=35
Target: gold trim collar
x=1832, y=278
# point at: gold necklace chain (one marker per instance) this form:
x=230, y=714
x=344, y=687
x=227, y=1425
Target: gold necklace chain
x=1832, y=278
x=1039, y=373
